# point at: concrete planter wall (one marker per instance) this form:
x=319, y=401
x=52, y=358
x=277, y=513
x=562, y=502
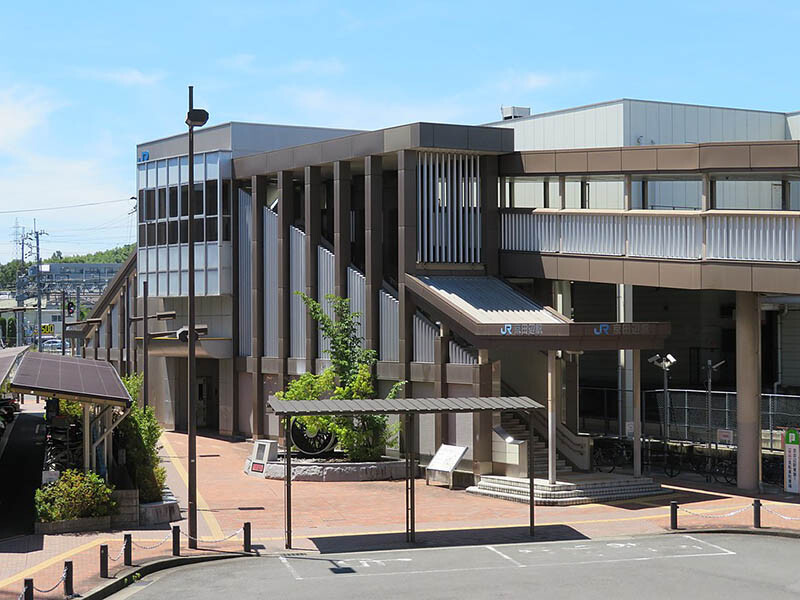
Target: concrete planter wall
x=127, y=516
x=366, y=471
x=165, y=511
x=73, y=526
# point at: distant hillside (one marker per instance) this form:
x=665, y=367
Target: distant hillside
x=115, y=255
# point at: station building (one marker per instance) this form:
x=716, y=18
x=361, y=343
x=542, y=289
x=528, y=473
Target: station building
x=547, y=255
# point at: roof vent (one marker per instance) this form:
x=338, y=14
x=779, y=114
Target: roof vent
x=514, y=112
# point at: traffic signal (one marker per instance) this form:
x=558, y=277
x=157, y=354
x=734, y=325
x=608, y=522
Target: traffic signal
x=70, y=308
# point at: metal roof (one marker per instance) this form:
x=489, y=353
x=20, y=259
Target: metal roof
x=400, y=405
x=8, y=357
x=70, y=378
x=489, y=300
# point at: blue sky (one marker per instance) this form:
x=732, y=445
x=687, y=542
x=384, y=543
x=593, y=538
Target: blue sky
x=81, y=83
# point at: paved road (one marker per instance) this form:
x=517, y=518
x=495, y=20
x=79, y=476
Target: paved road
x=21, y=474
x=667, y=566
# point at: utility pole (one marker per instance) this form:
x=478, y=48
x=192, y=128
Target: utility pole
x=19, y=238
x=36, y=234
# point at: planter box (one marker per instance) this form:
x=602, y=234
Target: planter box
x=127, y=516
x=73, y=526
x=339, y=471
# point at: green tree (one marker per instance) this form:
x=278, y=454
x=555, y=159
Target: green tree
x=8, y=274
x=363, y=437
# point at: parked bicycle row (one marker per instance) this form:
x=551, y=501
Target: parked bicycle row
x=9, y=409
x=673, y=459
x=63, y=441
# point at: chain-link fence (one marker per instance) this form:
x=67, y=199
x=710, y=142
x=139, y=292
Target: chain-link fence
x=686, y=415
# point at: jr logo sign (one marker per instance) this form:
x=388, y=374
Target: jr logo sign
x=506, y=329
x=601, y=329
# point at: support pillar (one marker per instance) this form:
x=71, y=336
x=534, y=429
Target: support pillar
x=87, y=438
x=562, y=193
x=373, y=241
x=551, y=416
x=441, y=356
x=546, y=193
x=313, y=222
x=627, y=193
x=121, y=368
x=636, y=360
x=707, y=200
x=748, y=391
x=342, y=184
x=259, y=200
x=624, y=359
x=491, y=215
x=406, y=256
x=482, y=421
x=786, y=195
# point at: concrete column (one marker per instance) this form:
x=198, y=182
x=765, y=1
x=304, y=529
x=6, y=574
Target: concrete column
x=482, y=421
x=546, y=193
x=748, y=390
x=285, y=220
x=441, y=358
x=490, y=223
x=786, y=195
x=373, y=242
x=342, y=184
x=584, y=194
x=135, y=332
x=645, y=191
x=707, y=194
x=566, y=412
x=231, y=426
x=87, y=438
x=636, y=359
x=259, y=200
x=624, y=358
x=551, y=416
x=120, y=336
x=562, y=193
x=109, y=336
x=313, y=221
x=627, y=193
x=406, y=254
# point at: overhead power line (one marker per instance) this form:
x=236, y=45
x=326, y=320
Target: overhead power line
x=28, y=210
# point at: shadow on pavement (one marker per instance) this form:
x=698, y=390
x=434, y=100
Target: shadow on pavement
x=437, y=539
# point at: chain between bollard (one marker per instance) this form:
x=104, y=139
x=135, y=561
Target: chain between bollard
x=226, y=538
x=705, y=516
x=777, y=514
x=22, y=595
x=58, y=583
x=121, y=551
x=169, y=535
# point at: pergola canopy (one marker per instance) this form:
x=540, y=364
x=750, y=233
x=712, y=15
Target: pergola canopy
x=70, y=378
x=8, y=358
x=296, y=408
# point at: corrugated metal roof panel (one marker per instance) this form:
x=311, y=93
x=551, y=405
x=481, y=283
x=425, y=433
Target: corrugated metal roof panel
x=489, y=300
x=400, y=405
x=8, y=356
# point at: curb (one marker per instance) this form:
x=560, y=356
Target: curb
x=768, y=531
x=123, y=580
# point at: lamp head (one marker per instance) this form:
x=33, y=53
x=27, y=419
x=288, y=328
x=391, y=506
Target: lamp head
x=197, y=117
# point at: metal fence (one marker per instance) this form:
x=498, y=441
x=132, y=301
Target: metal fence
x=687, y=416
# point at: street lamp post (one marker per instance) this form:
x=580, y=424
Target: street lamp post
x=196, y=117
x=145, y=319
x=664, y=363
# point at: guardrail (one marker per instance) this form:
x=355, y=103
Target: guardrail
x=770, y=236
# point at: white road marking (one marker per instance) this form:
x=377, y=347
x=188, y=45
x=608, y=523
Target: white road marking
x=291, y=569
x=368, y=562
x=506, y=556
x=720, y=548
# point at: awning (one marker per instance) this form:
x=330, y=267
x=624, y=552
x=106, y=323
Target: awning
x=70, y=378
x=402, y=406
x=8, y=358
x=489, y=313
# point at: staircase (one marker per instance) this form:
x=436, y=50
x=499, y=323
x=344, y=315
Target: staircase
x=517, y=427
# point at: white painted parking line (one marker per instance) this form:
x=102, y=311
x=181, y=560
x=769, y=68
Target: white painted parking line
x=291, y=569
x=506, y=556
x=720, y=548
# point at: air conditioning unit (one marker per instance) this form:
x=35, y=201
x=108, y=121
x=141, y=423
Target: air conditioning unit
x=514, y=112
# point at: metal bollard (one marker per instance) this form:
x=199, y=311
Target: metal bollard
x=68, y=589
x=28, y=593
x=176, y=540
x=128, y=550
x=757, y=513
x=104, y=561
x=673, y=515
x=246, y=536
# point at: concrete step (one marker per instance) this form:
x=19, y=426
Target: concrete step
x=574, y=500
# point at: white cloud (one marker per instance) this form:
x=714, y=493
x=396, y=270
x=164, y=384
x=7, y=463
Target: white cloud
x=123, y=76
x=511, y=80
x=324, y=66
x=21, y=111
x=239, y=62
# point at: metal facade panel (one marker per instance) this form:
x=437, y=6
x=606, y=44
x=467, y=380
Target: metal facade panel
x=115, y=326
x=326, y=284
x=665, y=236
x=297, y=283
x=592, y=234
x=270, y=283
x=8, y=358
x=401, y=405
x=389, y=309
x=245, y=276
x=357, y=292
x=424, y=338
x=460, y=355
x=530, y=232
x=752, y=237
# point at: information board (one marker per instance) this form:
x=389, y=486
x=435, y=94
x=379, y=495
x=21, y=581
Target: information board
x=791, y=458
x=725, y=436
x=445, y=461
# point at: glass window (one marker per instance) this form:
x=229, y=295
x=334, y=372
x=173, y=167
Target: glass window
x=184, y=231
x=172, y=232
x=198, y=230
x=162, y=203
x=211, y=229
x=162, y=233
x=142, y=235
x=211, y=197
x=173, y=201
x=151, y=234
x=197, y=199
x=150, y=205
x=141, y=206
x=226, y=229
x=184, y=201
x=226, y=197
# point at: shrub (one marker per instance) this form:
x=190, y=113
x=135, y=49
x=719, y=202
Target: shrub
x=74, y=495
x=139, y=433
